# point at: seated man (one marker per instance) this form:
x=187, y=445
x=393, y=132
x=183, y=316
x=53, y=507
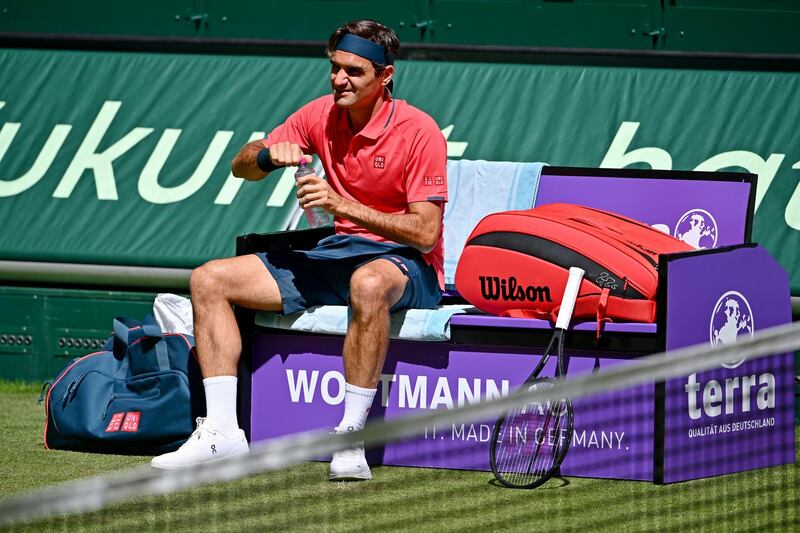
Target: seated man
x=386, y=167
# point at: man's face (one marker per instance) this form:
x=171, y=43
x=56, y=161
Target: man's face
x=353, y=80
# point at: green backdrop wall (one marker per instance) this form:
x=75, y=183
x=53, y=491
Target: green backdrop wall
x=123, y=158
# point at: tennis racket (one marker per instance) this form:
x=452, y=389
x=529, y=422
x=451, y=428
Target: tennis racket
x=529, y=442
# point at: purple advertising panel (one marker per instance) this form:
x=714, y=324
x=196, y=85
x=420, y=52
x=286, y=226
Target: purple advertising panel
x=298, y=384
x=613, y=434
x=701, y=212
x=741, y=415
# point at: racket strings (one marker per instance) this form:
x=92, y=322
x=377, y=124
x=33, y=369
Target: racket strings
x=537, y=460
x=531, y=441
x=521, y=468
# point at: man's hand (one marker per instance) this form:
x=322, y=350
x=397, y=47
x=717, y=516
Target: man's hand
x=282, y=154
x=315, y=191
x=285, y=154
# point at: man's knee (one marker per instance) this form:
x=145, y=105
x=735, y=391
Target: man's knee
x=208, y=279
x=372, y=290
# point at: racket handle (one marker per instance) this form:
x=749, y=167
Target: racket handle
x=570, y=295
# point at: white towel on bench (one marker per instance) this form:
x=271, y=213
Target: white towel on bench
x=411, y=324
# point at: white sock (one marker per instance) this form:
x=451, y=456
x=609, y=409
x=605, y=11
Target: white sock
x=221, y=403
x=357, y=402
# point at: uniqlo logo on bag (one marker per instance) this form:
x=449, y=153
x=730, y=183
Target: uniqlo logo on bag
x=131, y=423
x=115, y=423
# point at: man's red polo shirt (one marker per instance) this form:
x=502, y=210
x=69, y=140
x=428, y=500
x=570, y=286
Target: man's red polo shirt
x=399, y=157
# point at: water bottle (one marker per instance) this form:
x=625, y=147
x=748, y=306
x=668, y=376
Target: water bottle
x=316, y=215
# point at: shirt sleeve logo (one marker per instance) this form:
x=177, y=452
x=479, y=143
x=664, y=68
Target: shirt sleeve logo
x=379, y=161
x=427, y=180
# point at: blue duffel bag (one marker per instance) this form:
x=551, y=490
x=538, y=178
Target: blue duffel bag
x=139, y=395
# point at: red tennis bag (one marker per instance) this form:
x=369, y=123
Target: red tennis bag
x=516, y=263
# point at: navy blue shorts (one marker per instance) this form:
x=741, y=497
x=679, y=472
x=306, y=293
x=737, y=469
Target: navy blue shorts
x=322, y=276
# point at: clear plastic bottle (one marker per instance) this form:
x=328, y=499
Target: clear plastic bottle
x=315, y=215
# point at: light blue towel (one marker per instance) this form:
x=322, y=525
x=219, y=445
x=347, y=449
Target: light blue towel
x=476, y=189
x=411, y=324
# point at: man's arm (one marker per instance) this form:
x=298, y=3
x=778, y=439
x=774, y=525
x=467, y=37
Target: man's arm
x=282, y=154
x=419, y=228
x=244, y=165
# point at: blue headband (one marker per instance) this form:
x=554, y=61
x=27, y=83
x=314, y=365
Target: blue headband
x=364, y=48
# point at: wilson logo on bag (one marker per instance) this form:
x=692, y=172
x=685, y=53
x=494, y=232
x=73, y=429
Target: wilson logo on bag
x=516, y=263
x=509, y=290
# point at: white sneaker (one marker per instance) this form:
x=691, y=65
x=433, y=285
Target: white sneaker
x=206, y=444
x=349, y=465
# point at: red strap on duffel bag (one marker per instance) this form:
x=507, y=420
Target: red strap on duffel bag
x=516, y=263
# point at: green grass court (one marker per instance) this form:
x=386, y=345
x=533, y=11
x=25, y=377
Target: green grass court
x=397, y=499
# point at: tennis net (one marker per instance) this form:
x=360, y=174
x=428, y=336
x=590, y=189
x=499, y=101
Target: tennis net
x=280, y=485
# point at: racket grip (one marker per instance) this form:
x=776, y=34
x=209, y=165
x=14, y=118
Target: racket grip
x=570, y=295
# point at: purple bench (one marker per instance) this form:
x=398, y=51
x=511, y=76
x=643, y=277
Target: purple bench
x=715, y=422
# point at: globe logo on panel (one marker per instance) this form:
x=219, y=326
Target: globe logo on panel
x=731, y=318
x=698, y=229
